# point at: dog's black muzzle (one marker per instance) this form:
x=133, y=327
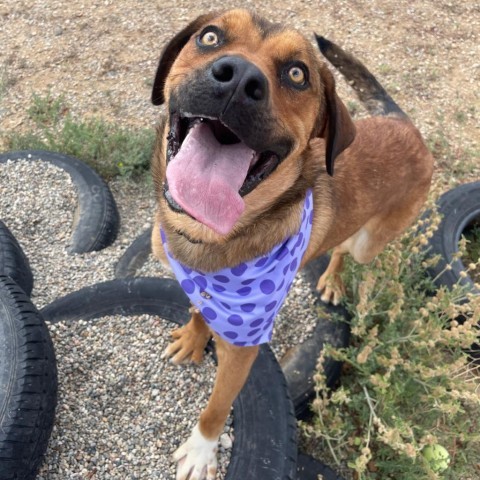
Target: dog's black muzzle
x=236, y=92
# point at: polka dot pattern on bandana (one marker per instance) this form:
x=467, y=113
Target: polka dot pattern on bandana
x=241, y=303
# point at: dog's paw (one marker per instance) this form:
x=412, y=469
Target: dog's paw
x=196, y=458
x=332, y=296
x=188, y=345
x=332, y=288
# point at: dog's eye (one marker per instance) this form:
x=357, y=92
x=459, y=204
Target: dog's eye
x=209, y=38
x=297, y=75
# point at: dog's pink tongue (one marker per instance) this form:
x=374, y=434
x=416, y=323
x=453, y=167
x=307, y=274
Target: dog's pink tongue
x=205, y=176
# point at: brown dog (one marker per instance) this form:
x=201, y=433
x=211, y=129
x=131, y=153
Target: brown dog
x=253, y=130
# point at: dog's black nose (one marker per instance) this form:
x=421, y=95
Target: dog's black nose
x=240, y=77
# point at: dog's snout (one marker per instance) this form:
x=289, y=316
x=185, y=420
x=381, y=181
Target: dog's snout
x=235, y=74
x=223, y=70
x=256, y=88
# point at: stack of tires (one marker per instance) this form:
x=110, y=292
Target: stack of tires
x=28, y=372
x=28, y=375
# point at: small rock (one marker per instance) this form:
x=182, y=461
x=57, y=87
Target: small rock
x=225, y=441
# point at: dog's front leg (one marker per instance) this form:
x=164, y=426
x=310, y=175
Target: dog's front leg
x=190, y=340
x=197, y=457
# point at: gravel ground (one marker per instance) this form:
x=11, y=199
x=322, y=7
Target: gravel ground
x=37, y=203
x=111, y=425
x=122, y=412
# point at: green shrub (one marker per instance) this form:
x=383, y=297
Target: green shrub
x=407, y=381
x=109, y=149
x=46, y=111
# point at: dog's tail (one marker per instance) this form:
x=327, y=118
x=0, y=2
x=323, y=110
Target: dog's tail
x=376, y=100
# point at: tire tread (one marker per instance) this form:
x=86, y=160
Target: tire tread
x=13, y=261
x=30, y=400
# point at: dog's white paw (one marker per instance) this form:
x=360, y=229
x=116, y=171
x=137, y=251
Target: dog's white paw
x=196, y=458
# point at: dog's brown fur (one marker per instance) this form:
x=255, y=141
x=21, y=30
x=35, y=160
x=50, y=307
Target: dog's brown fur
x=381, y=179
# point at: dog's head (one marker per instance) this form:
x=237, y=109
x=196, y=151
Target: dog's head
x=245, y=98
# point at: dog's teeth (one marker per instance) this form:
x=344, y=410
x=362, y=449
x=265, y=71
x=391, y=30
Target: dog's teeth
x=253, y=161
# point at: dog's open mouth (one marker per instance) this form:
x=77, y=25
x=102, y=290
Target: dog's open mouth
x=210, y=169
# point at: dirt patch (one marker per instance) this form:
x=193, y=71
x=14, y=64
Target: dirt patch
x=101, y=56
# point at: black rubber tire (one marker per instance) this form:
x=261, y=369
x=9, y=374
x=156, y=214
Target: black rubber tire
x=460, y=208
x=13, y=261
x=308, y=468
x=134, y=256
x=300, y=362
x=264, y=421
x=28, y=384
x=96, y=220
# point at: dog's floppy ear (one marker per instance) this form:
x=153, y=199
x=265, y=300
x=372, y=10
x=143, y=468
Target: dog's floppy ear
x=336, y=126
x=170, y=53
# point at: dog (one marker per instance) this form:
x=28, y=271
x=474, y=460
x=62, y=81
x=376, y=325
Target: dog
x=258, y=168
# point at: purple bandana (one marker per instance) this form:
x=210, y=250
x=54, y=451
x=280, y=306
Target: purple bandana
x=240, y=303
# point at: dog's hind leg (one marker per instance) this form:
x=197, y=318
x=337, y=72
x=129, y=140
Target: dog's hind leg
x=330, y=283
x=189, y=341
x=364, y=246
